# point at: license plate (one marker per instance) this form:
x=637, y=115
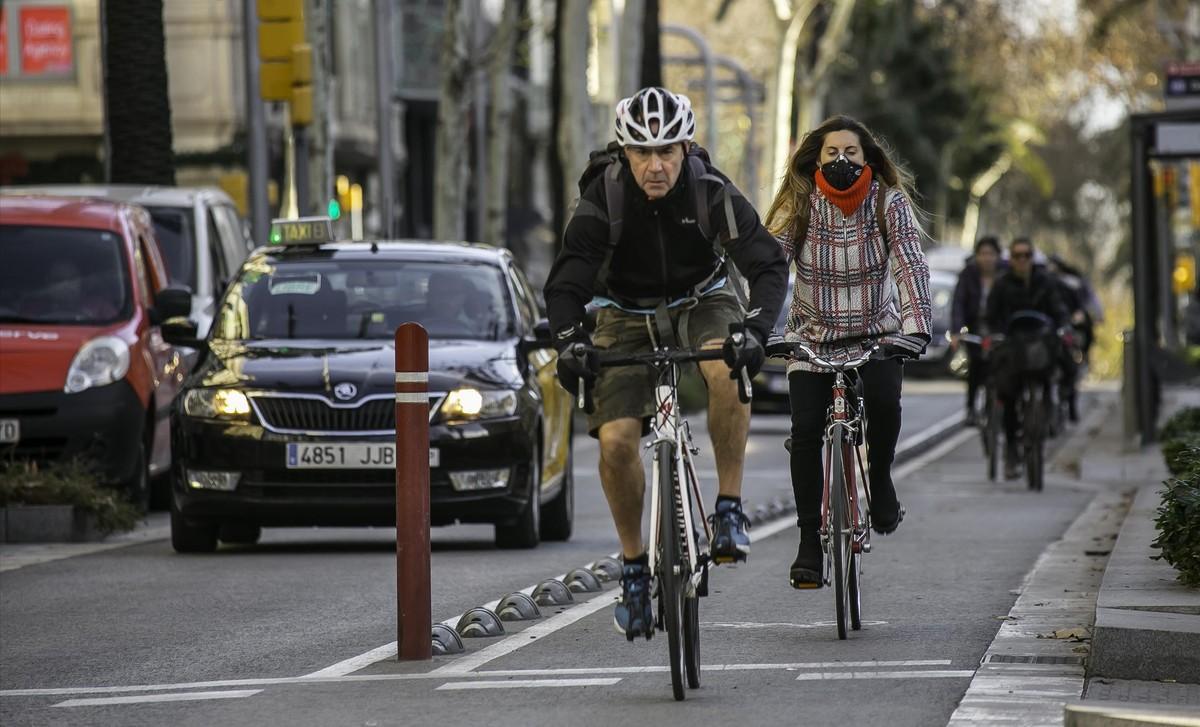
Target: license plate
x=10, y=430
x=359, y=456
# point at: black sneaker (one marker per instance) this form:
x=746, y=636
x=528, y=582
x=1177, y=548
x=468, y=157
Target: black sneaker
x=888, y=527
x=730, y=543
x=805, y=572
x=634, y=615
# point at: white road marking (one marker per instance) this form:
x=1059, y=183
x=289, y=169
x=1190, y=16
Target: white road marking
x=929, y=674
x=934, y=454
x=769, y=625
x=146, y=698
x=530, y=683
x=487, y=674
x=931, y=432
x=527, y=636
x=354, y=663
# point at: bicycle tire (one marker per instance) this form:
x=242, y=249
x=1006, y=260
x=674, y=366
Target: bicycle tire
x=855, y=570
x=1034, y=423
x=839, y=536
x=691, y=612
x=992, y=429
x=670, y=567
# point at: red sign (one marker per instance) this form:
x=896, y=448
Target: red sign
x=3, y=41
x=46, y=48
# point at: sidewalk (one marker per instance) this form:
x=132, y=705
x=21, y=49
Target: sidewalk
x=1146, y=639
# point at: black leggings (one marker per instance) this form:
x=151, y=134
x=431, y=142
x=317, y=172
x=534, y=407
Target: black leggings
x=977, y=371
x=811, y=395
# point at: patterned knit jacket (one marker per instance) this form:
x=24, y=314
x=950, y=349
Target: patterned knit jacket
x=848, y=289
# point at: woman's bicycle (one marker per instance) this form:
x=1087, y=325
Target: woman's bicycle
x=678, y=565
x=992, y=422
x=845, y=523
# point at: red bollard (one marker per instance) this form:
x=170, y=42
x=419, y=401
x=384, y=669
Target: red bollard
x=413, y=640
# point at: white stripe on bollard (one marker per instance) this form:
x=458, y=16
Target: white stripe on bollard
x=412, y=377
x=406, y=398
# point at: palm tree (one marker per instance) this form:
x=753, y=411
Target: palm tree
x=137, y=118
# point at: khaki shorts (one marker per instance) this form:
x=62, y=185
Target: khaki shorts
x=628, y=391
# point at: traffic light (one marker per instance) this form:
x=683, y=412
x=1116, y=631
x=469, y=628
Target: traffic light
x=280, y=28
x=342, y=186
x=1183, y=278
x=335, y=209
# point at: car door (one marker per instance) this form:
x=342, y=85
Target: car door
x=556, y=403
x=166, y=362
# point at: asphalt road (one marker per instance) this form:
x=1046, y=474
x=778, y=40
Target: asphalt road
x=304, y=600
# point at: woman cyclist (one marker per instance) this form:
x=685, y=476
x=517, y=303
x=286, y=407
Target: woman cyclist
x=969, y=311
x=844, y=219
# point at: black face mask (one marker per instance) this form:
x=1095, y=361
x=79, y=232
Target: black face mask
x=841, y=173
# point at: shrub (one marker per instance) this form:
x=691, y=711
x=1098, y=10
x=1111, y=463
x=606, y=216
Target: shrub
x=1178, y=523
x=1182, y=454
x=1185, y=422
x=69, y=482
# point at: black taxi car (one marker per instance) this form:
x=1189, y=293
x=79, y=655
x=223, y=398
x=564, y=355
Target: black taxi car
x=289, y=418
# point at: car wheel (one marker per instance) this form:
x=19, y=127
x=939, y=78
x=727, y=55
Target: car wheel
x=558, y=515
x=192, y=536
x=239, y=533
x=137, y=487
x=524, y=531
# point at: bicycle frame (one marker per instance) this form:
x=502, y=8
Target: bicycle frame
x=848, y=418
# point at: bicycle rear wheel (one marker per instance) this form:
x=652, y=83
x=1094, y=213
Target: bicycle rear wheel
x=840, y=533
x=670, y=566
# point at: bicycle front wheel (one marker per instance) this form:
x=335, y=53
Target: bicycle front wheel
x=691, y=599
x=1034, y=422
x=671, y=568
x=841, y=531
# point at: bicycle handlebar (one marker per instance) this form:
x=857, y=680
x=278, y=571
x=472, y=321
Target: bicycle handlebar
x=801, y=352
x=658, y=357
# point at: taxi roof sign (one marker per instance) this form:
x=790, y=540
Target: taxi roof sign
x=302, y=231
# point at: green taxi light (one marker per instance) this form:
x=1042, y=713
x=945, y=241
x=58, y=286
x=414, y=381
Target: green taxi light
x=302, y=231
x=335, y=209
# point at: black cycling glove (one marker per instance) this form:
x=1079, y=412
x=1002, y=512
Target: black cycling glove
x=905, y=345
x=750, y=355
x=575, y=363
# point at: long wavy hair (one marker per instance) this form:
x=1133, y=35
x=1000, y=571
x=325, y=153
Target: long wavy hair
x=791, y=201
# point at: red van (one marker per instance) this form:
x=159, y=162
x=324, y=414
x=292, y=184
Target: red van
x=84, y=369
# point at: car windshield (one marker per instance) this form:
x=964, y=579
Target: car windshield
x=62, y=275
x=173, y=231
x=335, y=299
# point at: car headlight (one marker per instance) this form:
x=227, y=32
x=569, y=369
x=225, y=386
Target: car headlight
x=217, y=404
x=471, y=404
x=100, y=361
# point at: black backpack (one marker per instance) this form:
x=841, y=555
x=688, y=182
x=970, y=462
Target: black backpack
x=607, y=161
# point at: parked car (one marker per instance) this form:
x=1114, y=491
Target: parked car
x=289, y=419
x=936, y=359
x=202, y=239
x=85, y=370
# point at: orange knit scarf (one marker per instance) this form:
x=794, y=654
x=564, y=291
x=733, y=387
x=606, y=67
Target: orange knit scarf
x=847, y=200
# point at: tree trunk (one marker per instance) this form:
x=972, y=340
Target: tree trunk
x=500, y=60
x=651, y=46
x=629, y=78
x=575, y=130
x=452, y=147
x=137, y=105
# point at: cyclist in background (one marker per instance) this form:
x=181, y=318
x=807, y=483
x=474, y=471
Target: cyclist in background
x=843, y=216
x=971, y=293
x=664, y=275
x=1023, y=288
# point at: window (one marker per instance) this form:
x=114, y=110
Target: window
x=63, y=275
x=176, y=243
x=220, y=269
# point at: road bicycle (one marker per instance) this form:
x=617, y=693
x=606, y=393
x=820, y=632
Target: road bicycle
x=992, y=420
x=678, y=565
x=845, y=528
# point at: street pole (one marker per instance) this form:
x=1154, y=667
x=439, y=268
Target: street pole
x=413, y=461
x=256, y=128
x=300, y=134
x=384, y=90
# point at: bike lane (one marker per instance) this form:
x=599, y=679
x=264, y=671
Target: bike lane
x=934, y=594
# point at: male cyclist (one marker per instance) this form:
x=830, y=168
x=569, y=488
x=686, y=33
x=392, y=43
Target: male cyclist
x=664, y=283
x=1023, y=288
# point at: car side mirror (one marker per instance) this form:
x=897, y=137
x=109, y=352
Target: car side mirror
x=180, y=331
x=541, y=338
x=173, y=301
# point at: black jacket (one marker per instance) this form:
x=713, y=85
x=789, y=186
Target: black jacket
x=1011, y=294
x=967, y=311
x=661, y=253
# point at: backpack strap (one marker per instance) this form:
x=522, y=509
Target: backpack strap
x=614, y=195
x=701, y=174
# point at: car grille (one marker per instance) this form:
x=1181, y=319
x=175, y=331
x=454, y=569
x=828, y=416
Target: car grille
x=315, y=414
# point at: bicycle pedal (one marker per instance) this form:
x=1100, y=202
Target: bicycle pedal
x=806, y=586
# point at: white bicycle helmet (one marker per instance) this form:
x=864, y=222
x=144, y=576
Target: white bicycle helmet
x=654, y=117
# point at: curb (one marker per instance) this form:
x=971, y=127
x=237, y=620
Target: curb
x=1147, y=624
x=1122, y=714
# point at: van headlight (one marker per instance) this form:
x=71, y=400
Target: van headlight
x=99, y=362
x=472, y=404
x=229, y=404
